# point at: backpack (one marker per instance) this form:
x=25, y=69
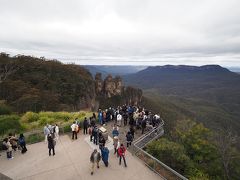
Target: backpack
x=4, y=147
x=21, y=141
x=54, y=129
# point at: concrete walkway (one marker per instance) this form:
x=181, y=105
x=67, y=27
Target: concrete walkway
x=70, y=162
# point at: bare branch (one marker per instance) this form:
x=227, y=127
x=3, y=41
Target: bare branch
x=6, y=70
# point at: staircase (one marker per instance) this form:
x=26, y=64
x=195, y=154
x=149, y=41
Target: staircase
x=164, y=171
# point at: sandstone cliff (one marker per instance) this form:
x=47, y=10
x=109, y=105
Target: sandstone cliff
x=112, y=88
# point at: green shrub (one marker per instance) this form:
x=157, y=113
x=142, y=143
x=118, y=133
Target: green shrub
x=43, y=121
x=30, y=117
x=10, y=123
x=57, y=116
x=67, y=128
x=4, y=109
x=34, y=138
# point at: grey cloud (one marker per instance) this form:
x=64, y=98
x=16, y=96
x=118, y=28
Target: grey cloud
x=130, y=32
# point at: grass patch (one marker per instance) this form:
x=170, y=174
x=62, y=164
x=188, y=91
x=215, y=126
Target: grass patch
x=35, y=138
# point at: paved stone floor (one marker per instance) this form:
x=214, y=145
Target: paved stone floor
x=71, y=162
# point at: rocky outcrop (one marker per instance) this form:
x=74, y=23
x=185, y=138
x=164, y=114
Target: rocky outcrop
x=98, y=83
x=113, y=86
x=132, y=95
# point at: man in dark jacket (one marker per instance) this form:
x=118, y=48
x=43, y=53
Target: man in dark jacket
x=94, y=159
x=101, y=141
x=95, y=134
x=51, y=144
x=22, y=143
x=143, y=125
x=85, y=126
x=129, y=138
x=125, y=118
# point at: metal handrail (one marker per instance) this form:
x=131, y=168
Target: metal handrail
x=140, y=149
x=147, y=134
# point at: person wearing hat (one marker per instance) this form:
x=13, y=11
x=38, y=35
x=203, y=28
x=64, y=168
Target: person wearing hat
x=94, y=159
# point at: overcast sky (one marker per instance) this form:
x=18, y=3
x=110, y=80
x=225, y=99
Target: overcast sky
x=143, y=32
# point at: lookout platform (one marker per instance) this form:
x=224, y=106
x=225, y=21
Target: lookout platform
x=71, y=162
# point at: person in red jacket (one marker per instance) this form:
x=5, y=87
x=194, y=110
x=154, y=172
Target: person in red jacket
x=121, y=153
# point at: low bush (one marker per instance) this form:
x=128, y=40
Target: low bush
x=4, y=109
x=10, y=123
x=29, y=117
x=34, y=138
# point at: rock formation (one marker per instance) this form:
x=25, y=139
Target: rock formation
x=111, y=87
x=98, y=83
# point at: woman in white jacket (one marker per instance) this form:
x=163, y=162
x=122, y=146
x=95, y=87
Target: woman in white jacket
x=56, y=132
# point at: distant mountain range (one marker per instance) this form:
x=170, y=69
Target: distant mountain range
x=123, y=70
x=114, y=70
x=211, y=93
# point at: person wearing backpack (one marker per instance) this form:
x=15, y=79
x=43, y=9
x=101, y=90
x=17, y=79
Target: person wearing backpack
x=51, y=144
x=74, y=128
x=22, y=143
x=94, y=159
x=121, y=153
x=101, y=141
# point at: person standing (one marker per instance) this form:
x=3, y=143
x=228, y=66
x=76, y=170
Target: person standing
x=105, y=155
x=90, y=132
x=74, y=130
x=9, y=149
x=129, y=138
x=121, y=153
x=95, y=134
x=13, y=141
x=46, y=131
x=94, y=159
x=125, y=118
x=56, y=132
x=100, y=117
x=51, y=144
x=119, y=119
x=101, y=141
x=132, y=131
x=22, y=143
x=116, y=144
x=85, y=126
x=115, y=132
x=143, y=125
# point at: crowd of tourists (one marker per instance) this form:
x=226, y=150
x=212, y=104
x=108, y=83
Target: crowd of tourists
x=14, y=143
x=131, y=118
